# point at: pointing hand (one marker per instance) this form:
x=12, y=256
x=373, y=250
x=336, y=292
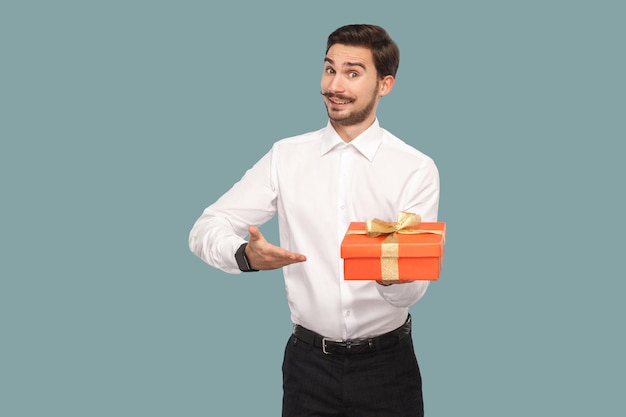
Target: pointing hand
x=264, y=255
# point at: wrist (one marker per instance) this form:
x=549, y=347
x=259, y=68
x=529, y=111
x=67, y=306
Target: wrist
x=242, y=259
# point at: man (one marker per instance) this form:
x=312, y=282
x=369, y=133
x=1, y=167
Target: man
x=351, y=351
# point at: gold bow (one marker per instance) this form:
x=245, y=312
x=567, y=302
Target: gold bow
x=405, y=222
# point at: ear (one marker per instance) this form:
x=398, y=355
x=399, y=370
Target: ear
x=386, y=84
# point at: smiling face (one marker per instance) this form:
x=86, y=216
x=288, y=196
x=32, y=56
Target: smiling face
x=351, y=88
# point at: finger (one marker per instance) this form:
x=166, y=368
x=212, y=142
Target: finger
x=297, y=257
x=287, y=255
x=272, y=257
x=281, y=255
x=279, y=262
x=388, y=283
x=255, y=233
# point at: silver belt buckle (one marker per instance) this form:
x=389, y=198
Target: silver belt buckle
x=326, y=339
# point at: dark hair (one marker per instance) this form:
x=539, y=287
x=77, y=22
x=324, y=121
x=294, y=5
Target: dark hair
x=384, y=50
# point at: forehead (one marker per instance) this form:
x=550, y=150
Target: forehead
x=345, y=55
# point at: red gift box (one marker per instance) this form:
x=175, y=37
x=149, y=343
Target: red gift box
x=411, y=253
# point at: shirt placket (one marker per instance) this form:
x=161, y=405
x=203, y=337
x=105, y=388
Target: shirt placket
x=346, y=163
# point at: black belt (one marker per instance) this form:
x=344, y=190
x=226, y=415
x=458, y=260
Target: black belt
x=353, y=346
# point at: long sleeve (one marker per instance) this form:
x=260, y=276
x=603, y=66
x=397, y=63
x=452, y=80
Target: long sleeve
x=422, y=199
x=222, y=227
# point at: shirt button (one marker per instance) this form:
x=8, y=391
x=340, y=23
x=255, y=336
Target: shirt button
x=342, y=207
x=348, y=313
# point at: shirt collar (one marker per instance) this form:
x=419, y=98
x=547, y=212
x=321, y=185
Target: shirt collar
x=367, y=143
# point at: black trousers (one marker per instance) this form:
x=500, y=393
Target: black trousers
x=384, y=383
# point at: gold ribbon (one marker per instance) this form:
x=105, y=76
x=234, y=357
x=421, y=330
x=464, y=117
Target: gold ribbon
x=377, y=227
x=406, y=223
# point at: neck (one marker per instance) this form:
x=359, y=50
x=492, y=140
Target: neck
x=350, y=132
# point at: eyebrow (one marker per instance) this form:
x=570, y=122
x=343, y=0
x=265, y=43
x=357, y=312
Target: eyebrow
x=346, y=64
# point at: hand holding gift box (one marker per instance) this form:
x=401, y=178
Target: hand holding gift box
x=406, y=250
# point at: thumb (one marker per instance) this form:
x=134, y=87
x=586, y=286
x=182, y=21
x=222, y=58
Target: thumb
x=255, y=234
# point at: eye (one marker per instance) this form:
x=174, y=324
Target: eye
x=329, y=70
x=353, y=74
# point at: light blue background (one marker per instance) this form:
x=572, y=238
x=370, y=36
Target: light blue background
x=121, y=120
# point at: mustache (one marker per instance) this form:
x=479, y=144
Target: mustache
x=328, y=94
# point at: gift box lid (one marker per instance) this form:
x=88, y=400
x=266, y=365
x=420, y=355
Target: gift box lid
x=355, y=245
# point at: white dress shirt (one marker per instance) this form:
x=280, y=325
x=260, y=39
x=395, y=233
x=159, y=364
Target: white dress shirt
x=317, y=184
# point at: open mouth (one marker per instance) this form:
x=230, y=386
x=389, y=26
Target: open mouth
x=339, y=100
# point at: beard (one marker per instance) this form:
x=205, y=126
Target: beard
x=352, y=118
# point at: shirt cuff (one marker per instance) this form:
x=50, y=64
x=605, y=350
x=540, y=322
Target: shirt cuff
x=229, y=248
x=403, y=295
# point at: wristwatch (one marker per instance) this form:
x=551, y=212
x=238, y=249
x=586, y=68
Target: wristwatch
x=242, y=260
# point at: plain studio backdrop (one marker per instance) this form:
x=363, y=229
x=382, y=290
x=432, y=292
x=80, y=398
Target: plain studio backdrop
x=121, y=120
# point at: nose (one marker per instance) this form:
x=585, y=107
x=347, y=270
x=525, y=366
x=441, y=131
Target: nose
x=335, y=84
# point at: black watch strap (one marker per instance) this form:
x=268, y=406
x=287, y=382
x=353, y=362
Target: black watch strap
x=242, y=260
